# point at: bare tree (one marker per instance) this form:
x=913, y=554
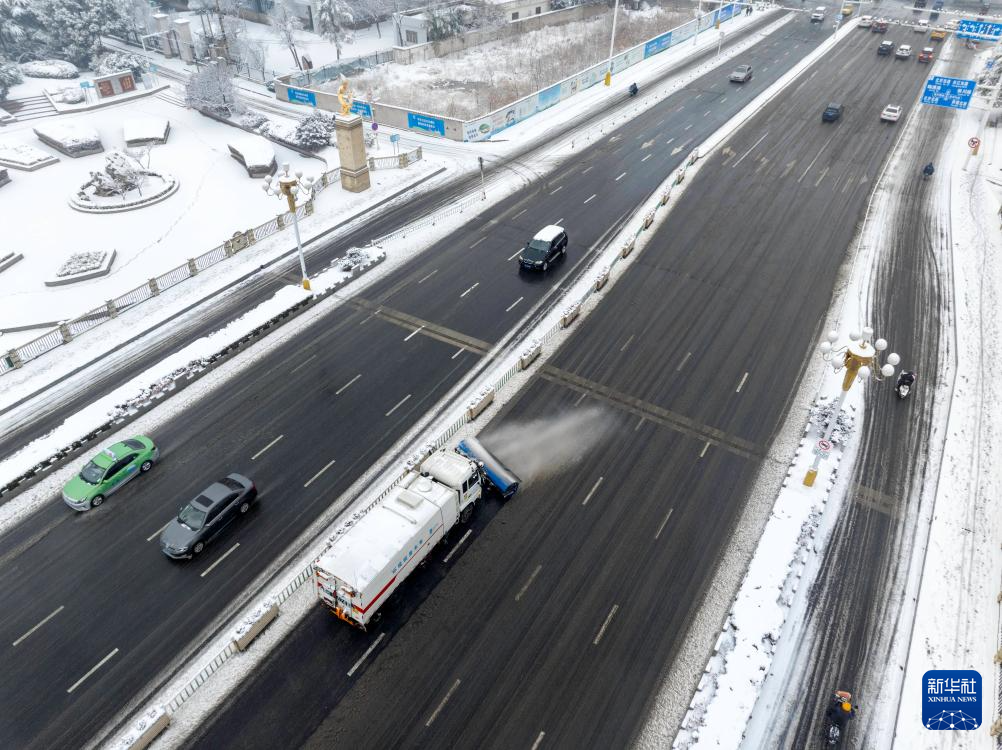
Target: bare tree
x=285, y=23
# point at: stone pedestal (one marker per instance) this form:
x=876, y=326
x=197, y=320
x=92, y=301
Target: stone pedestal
x=351, y=149
x=163, y=25
x=183, y=28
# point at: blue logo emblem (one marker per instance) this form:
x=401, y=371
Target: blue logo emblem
x=951, y=699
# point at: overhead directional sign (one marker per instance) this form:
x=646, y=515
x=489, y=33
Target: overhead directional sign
x=968, y=29
x=943, y=91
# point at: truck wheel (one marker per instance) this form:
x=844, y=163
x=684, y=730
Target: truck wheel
x=465, y=513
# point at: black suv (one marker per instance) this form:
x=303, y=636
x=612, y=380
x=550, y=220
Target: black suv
x=549, y=244
x=203, y=518
x=832, y=112
x=886, y=47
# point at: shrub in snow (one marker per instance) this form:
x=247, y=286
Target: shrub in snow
x=82, y=262
x=10, y=75
x=71, y=96
x=211, y=90
x=253, y=120
x=314, y=131
x=113, y=62
x=50, y=69
x=356, y=256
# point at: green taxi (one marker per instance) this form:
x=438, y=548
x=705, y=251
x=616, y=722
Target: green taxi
x=109, y=470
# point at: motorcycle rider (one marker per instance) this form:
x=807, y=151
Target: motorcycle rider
x=906, y=378
x=633, y=89
x=840, y=712
x=927, y=170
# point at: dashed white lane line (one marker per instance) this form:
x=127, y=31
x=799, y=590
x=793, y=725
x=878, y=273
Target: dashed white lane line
x=413, y=333
x=663, y=523
x=623, y=347
x=659, y=123
x=668, y=142
x=586, y=171
x=554, y=192
x=303, y=363
x=157, y=533
x=366, y=654
x=816, y=157
x=559, y=221
x=742, y=383
x=425, y=278
x=823, y=173
x=468, y=291
x=753, y=147
x=59, y=609
x=706, y=447
x=459, y=351
x=459, y=544
x=647, y=157
x=621, y=177
x=477, y=242
x=367, y=319
x=226, y=554
x=344, y=387
x=580, y=398
x=723, y=100
x=93, y=669
x=520, y=213
x=593, y=196
x=528, y=583
x=640, y=424
x=317, y=475
x=514, y=254
x=601, y=631
x=254, y=457
x=509, y=308
x=698, y=95
x=455, y=686
x=687, y=127
x=706, y=113
x=592, y=491
x=683, y=106
x=539, y=741
x=401, y=403
x=684, y=360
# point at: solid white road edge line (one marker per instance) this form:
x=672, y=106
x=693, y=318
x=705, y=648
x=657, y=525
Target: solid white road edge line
x=93, y=669
x=224, y=556
x=366, y=654
x=254, y=457
x=528, y=583
x=458, y=545
x=314, y=477
x=58, y=610
x=605, y=624
x=441, y=705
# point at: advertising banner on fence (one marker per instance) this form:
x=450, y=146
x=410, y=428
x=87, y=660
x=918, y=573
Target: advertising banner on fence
x=548, y=97
x=302, y=96
x=477, y=130
x=657, y=44
x=362, y=108
x=683, y=32
x=726, y=12
x=626, y=59
x=425, y=123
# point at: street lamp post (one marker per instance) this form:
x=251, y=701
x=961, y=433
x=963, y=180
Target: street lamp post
x=858, y=358
x=483, y=187
x=288, y=186
x=612, y=43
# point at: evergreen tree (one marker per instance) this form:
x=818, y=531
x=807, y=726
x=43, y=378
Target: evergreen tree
x=10, y=74
x=314, y=131
x=73, y=28
x=333, y=21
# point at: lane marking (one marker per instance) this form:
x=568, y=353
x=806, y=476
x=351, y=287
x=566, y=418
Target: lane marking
x=818, y=156
x=314, y=477
x=469, y=290
x=664, y=523
x=723, y=100
x=56, y=612
x=605, y=624
x=706, y=114
x=158, y=531
x=477, y=242
x=581, y=398
x=528, y=583
x=559, y=221
x=683, y=106
x=93, y=669
x=458, y=545
x=441, y=705
x=684, y=360
x=508, y=309
x=687, y=126
x=538, y=741
x=554, y=192
x=586, y=171
x=515, y=253
x=367, y=319
x=402, y=401
x=754, y=146
x=659, y=123
x=593, y=195
x=226, y=554
x=592, y=492
x=699, y=95
x=640, y=423
x=742, y=383
x=366, y=654
x=623, y=347
x=705, y=446
x=344, y=387
x=668, y=142
x=303, y=363
x=428, y=276
x=254, y=457
x=647, y=157
x=520, y=213
x=413, y=333
x=459, y=351
x=822, y=176
x=621, y=177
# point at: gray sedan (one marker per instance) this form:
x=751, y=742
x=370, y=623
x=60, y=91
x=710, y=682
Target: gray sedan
x=201, y=520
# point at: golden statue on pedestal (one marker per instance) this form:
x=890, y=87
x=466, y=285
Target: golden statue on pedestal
x=345, y=96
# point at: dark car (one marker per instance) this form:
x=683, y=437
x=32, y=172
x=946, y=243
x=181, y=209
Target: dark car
x=879, y=27
x=886, y=47
x=201, y=520
x=832, y=112
x=549, y=244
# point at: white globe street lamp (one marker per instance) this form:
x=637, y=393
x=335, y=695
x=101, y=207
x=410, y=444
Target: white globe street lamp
x=288, y=186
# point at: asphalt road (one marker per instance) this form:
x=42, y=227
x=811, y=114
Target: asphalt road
x=855, y=604
x=49, y=409
x=553, y=626
x=94, y=612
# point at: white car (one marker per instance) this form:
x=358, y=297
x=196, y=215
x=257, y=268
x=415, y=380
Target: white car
x=905, y=50
x=865, y=22
x=891, y=113
x=818, y=15
x=921, y=27
x=741, y=74
x=953, y=24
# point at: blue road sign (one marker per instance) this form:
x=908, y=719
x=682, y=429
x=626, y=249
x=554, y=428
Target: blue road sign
x=943, y=91
x=979, y=29
x=394, y=138
x=302, y=96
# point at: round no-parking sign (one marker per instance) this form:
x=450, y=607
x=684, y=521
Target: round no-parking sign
x=974, y=142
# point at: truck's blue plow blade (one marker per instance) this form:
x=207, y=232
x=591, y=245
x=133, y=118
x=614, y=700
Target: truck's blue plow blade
x=503, y=478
